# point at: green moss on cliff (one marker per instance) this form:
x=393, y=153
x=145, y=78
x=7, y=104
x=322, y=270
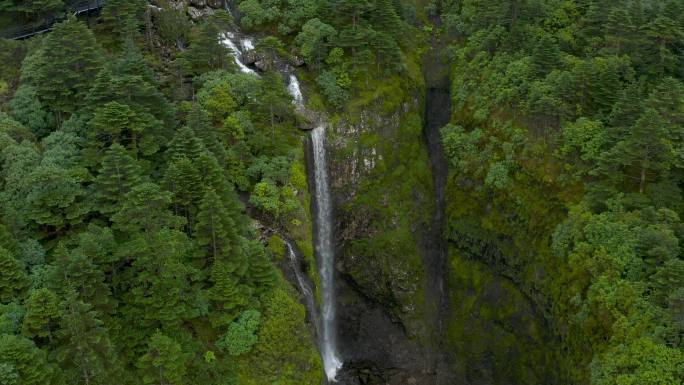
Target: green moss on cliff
x=493, y=331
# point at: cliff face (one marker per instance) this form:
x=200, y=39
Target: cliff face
x=383, y=194
x=414, y=308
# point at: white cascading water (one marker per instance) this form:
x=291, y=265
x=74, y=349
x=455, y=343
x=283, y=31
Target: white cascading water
x=326, y=256
x=324, y=242
x=303, y=284
x=295, y=91
x=228, y=40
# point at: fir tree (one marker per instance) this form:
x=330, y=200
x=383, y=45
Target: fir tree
x=227, y=294
x=386, y=18
x=85, y=352
x=164, y=362
x=13, y=279
x=215, y=229
x=63, y=69
x=185, y=143
x=27, y=361
x=42, y=314
x=200, y=124
x=261, y=273
x=118, y=173
x=145, y=208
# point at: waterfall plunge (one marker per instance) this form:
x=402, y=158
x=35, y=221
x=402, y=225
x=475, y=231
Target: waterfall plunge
x=227, y=39
x=324, y=242
x=326, y=256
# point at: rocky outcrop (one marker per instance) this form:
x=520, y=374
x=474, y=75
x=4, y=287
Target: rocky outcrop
x=197, y=9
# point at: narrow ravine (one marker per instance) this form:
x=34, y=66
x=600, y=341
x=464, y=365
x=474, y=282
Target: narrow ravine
x=437, y=115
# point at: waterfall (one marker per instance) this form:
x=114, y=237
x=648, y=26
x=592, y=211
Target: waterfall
x=324, y=242
x=303, y=283
x=295, y=91
x=326, y=256
x=228, y=40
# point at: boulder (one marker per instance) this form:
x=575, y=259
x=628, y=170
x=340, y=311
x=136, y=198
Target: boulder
x=215, y=3
x=177, y=5
x=198, y=3
x=197, y=14
x=263, y=65
x=296, y=60
x=251, y=56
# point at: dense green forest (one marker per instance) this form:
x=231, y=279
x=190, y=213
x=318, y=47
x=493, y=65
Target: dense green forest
x=147, y=186
x=566, y=148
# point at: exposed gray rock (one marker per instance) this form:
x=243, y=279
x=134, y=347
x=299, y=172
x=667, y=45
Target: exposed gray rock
x=198, y=3
x=178, y=5
x=296, y=60
x=250, y=57
x=197, y=14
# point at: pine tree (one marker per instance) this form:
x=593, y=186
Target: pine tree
x=545, y=55
x=118, y=174
x=386, y=18
x=227, y=294
x=130, y=80
x=76, y=272
x=164, y=362
x=63, y=69
x=7, y=240
x=27, y=361
x=215, y=229
x=57, y=197
x=27, y=109
x=206, y=52
x=13, y=279
x=183, y=179
x=123, y=17
x=42, y=314
x=200, y=124
x=261, y=273
x=145, y=208
x=85, y=352
x=162, y=285
x=185, y=143
x=32, y=7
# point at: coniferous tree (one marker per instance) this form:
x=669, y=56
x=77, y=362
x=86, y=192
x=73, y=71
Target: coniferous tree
x=163, y=286
x=63, y=68
x=215, y=229
x=185, y=143
x=145, y=208
x=164, y=362
x=13, y=279
x=386, y=18
x=200, y=123
x=75, y=272
x=85, y=352
x=27, y=361
x=226, y=293
x=206, y=52
x=182, y=178
x=122, y=17
x=261, y=273
x=57, y=197
x=42, y=314
x=118, y=174
x=27, y=109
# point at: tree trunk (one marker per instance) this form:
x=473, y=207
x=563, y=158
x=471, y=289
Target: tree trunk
x=642, y=178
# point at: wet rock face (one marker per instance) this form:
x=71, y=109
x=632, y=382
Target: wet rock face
x=375, y=347
x=380, y=327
